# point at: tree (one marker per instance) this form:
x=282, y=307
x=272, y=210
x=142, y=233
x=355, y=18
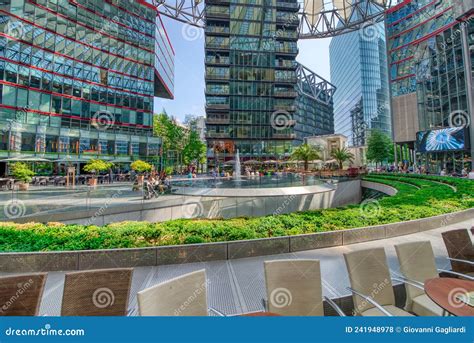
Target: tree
x=22, y=172
x=379, y=147
x=342, y=155
x=97, y=166
x=140, y=166
x=194, y=150
x=305, y=153
x=172, y=135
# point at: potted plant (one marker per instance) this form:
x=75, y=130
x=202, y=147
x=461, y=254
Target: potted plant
x=22, y=173
x=95, y=167
x=140, y=167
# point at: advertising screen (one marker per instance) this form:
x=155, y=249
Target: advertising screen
x=448, y=139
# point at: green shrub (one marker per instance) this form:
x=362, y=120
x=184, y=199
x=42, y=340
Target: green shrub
x=21, y=172
x=141, y=166
x=418, y=197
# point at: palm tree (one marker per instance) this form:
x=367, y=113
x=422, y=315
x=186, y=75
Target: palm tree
x=342, y=155
x=306, y=153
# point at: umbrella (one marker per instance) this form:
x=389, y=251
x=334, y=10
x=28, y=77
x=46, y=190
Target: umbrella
x=270, y=162
x=330, y=161
x=252, y=162
x=26, y=159
x=316, y=161
x=68, y=159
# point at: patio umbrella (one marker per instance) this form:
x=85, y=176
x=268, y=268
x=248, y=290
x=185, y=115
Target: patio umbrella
x=252, y=162
x=270, y=162
x=330, y=161
x=316, y=161
x=26, y=159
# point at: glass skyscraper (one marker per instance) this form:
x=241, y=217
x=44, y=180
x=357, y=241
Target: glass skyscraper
x=78, y=78
x=431, y=71
x=251, y=48
x=359, y=71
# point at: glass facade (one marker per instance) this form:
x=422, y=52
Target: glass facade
x=428, y=60
x=79, y=77
x=314, y=114
x=358, y=62
x=250, y=77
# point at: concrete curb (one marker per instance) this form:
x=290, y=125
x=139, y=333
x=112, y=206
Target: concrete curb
x=165, y=255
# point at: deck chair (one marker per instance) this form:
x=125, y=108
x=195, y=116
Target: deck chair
x=371, y=284
x=21, y=295
x=294, y=288
x=102, y=292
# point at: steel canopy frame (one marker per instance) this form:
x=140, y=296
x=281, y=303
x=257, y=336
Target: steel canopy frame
x=317, y=18
x=312, y=85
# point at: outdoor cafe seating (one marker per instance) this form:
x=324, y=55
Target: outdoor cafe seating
x=293, y=287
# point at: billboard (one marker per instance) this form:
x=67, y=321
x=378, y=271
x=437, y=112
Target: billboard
x=449, y=139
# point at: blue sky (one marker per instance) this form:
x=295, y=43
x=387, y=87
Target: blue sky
x=188, y=44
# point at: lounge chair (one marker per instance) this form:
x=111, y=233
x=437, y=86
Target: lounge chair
x=97, y=293
x=21, y=295
x=460, y=250
x=185, y=295
x=371, y=284
x=294, y=288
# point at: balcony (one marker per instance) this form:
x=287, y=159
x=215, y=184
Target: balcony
x=221, y=121
x=224, y=61
x=282, y=34
x=287, y=20
x=291, y=80
x=217, y=30
x=217, y=46
x=217, y=12
x=286, y=50
x=217, y=107
x=286, y=65
x=289, y=108
x=217, y=77
x=284, y=135
x=288, y=5
x=217, y=93
x=289, y=94
x=211, y=135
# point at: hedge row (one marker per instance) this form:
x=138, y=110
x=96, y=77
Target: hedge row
x=417, y=197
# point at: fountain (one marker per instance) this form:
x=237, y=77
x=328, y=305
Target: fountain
x=237, y=167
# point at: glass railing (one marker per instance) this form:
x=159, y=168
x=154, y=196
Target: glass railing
x=222, y=60
x=292, y=5
x=217, y=29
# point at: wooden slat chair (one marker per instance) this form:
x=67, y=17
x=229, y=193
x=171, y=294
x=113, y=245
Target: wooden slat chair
x=460, y=250
x=21, y=295
x=102, y=292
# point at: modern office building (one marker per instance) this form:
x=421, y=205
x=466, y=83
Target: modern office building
x=78, y=79
x=431, y=75
x=314, y=114
x=358, y=62
x=251, y=48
